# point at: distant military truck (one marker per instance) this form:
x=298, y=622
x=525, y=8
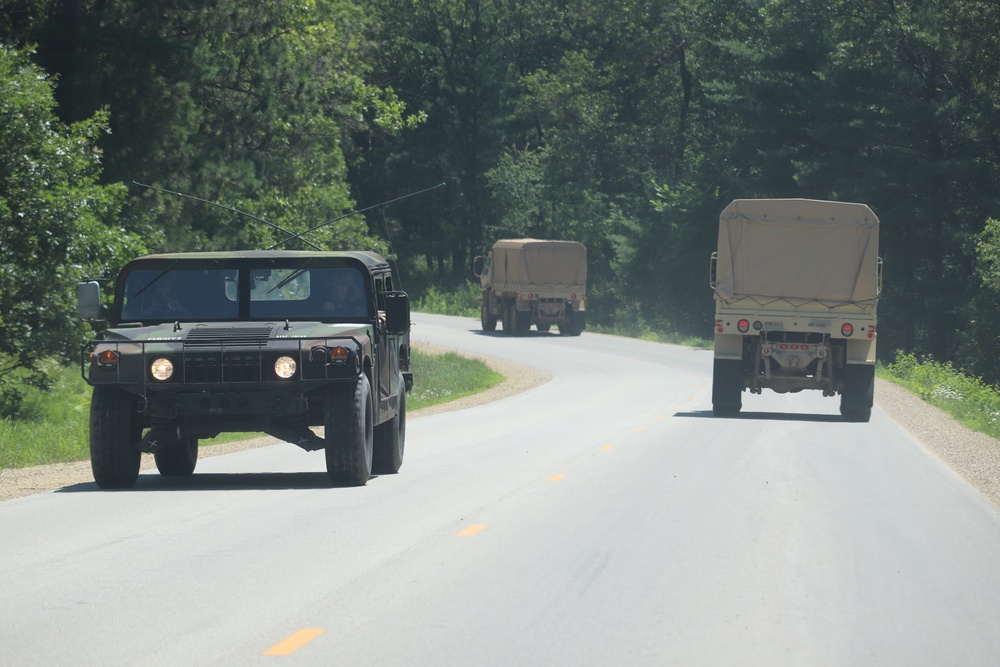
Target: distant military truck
x=796, y=288
x=532, y=281
x=203, y=343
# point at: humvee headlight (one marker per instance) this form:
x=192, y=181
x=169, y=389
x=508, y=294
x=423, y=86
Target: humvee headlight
x=284, y=367
x=161, y=369
x=339, y=355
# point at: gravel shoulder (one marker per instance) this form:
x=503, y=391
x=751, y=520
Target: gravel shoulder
x=972, y=455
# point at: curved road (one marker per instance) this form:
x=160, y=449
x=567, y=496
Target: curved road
x=603, y=518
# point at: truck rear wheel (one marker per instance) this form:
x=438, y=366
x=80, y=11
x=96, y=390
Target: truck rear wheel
x=727, y=386
x=349, y=433
x=574, y=325
x=522, y=321
x=115, y=431
x=488, y=321
x=179, y=459
x=390, y=439
x=858, y=395
x=506, y=310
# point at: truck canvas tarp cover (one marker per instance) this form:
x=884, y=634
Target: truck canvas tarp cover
x=554, y=264
x=799, y=251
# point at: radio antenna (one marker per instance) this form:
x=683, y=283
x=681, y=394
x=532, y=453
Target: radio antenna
x=234, y=210
x=347, y=215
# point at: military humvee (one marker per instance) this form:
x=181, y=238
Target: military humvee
x=276, y=342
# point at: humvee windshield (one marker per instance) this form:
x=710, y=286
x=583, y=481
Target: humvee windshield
x=197, y=294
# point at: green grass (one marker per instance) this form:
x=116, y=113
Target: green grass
x=54, y=424
x=968, y=399
x=446, y=377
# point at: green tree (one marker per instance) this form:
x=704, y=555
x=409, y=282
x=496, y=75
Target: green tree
x=890, y=104
x=979, y=342
x=248, y=104
x=447, y=61
x=57, y=225
x=608, y=119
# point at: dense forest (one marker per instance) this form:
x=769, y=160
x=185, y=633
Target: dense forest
x=626, y=124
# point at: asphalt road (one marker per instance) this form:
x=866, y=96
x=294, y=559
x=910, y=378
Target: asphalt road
x=603, y=518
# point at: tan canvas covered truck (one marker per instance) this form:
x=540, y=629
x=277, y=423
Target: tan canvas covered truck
x=532, y=281
x=796, y=287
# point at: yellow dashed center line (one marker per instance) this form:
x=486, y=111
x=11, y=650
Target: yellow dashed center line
x=294, y=642
x=606, y=447
x=471, y=530
x=639, y=428
x=556, y=478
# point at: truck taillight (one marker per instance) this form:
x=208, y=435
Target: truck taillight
x=847, y=330
x=743, y=325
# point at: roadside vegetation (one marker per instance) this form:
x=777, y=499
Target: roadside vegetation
x=446, y=377
x=52, y=423
x=461, y=302
x=968, y=399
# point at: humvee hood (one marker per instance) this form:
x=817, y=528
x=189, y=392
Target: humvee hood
x=247, y=332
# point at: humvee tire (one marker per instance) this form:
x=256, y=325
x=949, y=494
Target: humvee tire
x=858, y=395
x=727, y=385
x=348, y=432
x=179, y=459
x=115, y=432
x=390, y=440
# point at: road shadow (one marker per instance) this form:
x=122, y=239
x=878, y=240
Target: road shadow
x=255, y=481
x=530, y=334
x=763, y=416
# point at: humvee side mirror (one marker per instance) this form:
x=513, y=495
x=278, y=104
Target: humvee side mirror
x=397, y=312
x=478, y=264
x=88, y=300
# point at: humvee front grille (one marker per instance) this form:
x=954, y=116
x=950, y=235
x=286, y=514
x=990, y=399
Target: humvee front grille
x=214, y=367
x=212, y=354
x=229, y=337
